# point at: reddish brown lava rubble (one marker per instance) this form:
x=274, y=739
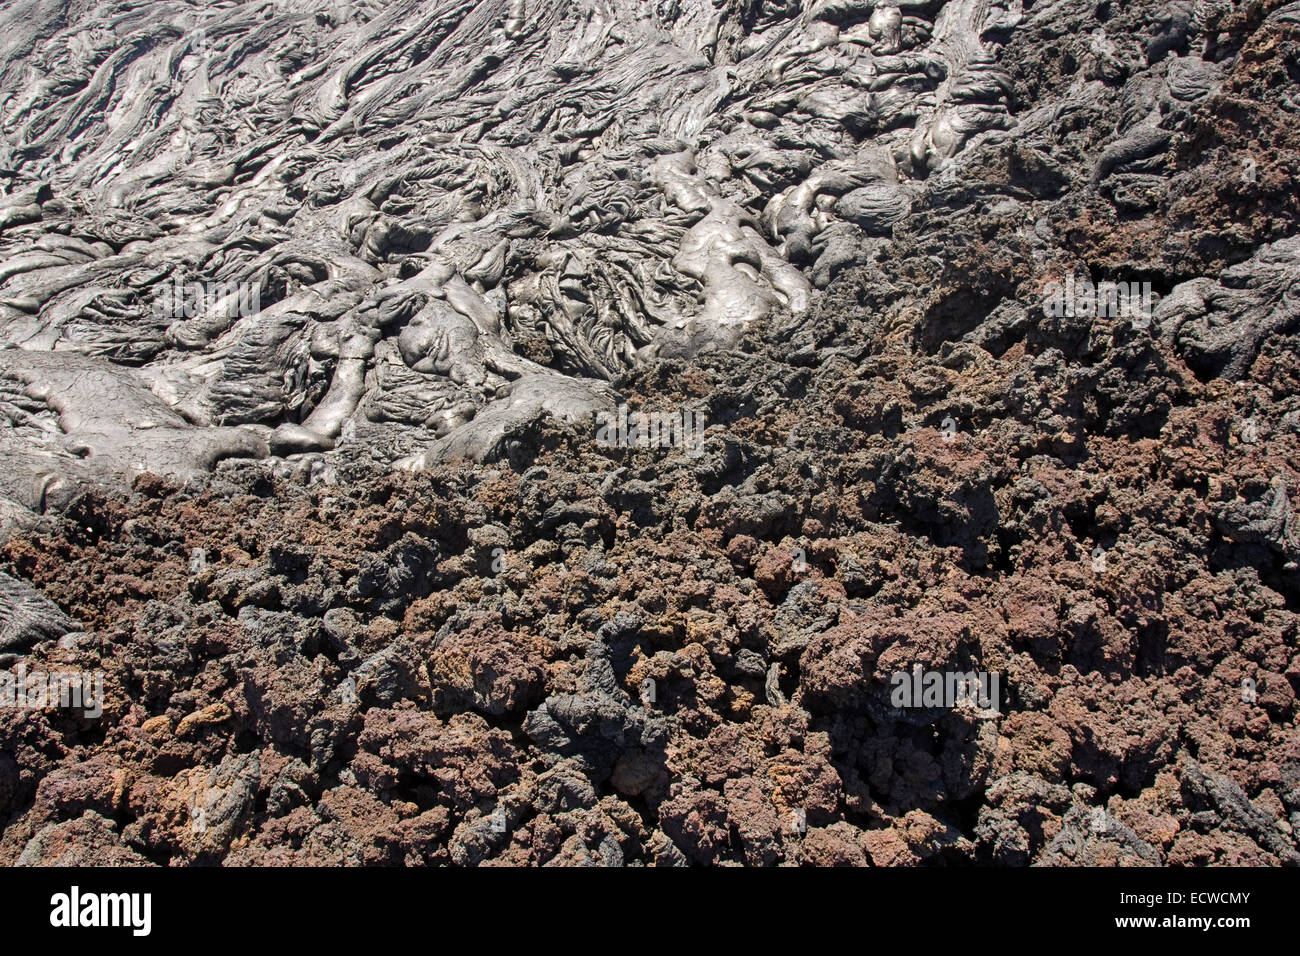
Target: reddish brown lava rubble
x=449, y=667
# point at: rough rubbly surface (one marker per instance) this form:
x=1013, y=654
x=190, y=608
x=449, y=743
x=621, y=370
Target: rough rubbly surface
x=362, y=583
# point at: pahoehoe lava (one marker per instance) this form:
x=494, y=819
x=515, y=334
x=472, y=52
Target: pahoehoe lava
x=309, y=308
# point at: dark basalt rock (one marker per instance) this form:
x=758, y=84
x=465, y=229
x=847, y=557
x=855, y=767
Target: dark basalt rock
x=27, y=616
x=307, y=313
